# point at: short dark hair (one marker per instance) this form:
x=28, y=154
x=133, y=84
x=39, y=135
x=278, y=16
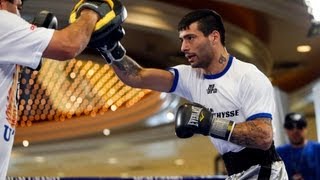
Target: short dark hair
x=13, y=0
x=208, y=21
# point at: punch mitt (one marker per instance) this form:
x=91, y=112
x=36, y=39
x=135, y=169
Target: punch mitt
x=112, y=14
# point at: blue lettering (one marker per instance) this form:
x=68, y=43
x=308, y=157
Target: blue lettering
x=7, y=133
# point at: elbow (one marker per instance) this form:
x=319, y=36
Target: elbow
x=266, y=145
x=266, y=141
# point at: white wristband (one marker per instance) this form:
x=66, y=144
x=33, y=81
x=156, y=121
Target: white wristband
x=222, y=128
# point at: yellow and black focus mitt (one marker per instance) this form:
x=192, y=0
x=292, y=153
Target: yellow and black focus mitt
x=112, y=14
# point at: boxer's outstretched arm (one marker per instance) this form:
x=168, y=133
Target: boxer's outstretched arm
x=132, y=74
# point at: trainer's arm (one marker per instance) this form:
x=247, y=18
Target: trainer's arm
x=72, y=40
x=256, y=133
x=132, y=74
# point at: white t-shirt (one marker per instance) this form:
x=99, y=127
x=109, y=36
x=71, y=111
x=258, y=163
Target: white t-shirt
x=239, y=93
x=21, y=44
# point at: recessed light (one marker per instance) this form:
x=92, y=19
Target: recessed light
x=170, y=116
x=179, y=162
x=112, y=160
x=25, y=143
x=303, y=48
x=106, y=132
x=39, y=159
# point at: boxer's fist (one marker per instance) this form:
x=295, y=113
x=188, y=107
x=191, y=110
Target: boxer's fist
x=196, y=119
x=192, y=118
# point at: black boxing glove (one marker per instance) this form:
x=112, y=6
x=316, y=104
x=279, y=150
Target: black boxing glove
x=112, y=14
x=113, y=50
x=196, y=119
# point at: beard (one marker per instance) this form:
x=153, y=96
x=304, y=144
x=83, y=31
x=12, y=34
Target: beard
x=203, y=63
x=203, y=60
x=297, y=141
x=204, y=56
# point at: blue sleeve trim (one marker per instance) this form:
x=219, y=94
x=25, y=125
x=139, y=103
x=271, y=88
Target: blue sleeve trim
x=259, y=115
x=175, y=80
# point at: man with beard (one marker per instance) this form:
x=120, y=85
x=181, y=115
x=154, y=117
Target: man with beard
x=231, y=101
x=301, y=156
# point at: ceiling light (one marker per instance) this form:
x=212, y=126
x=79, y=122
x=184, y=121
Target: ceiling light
x=25, y=143
x=170, y=116
x=39, y=159
x=243, y=48
x=61, y=174
x=112, y=160
x=62, y=90
x=106, y=132
x=303, y=48
x=148, y=17
x=179, y=162
x=124, y=175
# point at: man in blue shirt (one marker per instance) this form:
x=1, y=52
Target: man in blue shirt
x=301, y=156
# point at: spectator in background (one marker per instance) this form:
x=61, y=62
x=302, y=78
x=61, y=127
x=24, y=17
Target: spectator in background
x=301, y=156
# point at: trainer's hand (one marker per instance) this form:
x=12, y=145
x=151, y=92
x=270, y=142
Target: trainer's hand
x=111, y=12
x=196, y=119
x=113, y=50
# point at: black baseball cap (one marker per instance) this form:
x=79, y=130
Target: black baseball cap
x=295, y=120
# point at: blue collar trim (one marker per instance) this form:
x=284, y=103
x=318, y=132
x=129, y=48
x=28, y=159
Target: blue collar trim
x=215, y=76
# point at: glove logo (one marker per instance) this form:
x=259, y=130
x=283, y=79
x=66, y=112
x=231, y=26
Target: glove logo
x=196, y=116
x=201, y=116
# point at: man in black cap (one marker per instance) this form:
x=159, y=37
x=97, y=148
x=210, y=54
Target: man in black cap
x=301, y=156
